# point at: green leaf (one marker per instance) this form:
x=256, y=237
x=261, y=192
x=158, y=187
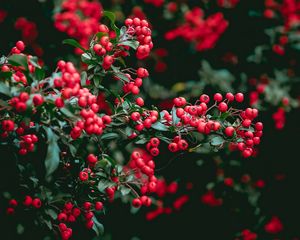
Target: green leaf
x=216, y=141
x=175, y=119
x=39, y=74
x=103, y=184
x=73, y=43
x=111, y=16
x=34, y=62
x=18, y=60
x=51, y=213
x=83, y=78
x=108, y=136
x=159, y=126
x=4, y=89
x=133, y=44
x=124, y=190
x=98, y=227
x=53, y=151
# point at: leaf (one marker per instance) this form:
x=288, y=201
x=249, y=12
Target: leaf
x=53, y=151
x=4, y=89
x=103, y=184
x=73, y=43
x=175, y=119
x=159, y=126
x=51, y=213
x=133, y=44
x=108, y=136
x=98, y=227
x=111, y=16
x=83, y=78
x=34, y=62
x=86, y=58
x=124, y=190
x=18, y=60
x=39, y=74
x=122, y=76
x=216, y=141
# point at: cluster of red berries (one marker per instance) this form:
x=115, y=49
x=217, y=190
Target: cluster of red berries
x=210, y=199
x=27, y=143
x=155, y=3
x=279, y=118
x=29, y=34
x=152, y=146
x=27, y=202
x=79, y=19
x=178, y=144
x=274, y=226
x=70, y=213
x=133, y=85
x=21, y=102
x=289, y=11
x=204, y=33
x=227, y=3
x=140, y=29
x=162, y=190
x=144, y=120
x=248, y=235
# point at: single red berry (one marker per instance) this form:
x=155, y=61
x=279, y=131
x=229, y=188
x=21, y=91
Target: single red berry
x=136, y=203
x=36, y=203
x=218, y=97
x=222, y=107
x=98, y=206
x=83, y=176
x=239, y=97
x=229, y=131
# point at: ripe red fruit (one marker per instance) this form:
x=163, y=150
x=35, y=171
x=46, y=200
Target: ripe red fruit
x=154, y=151
x=20, y=45
x=259, y=126
x=136, y=203
x=103, y=28
x=218, y=97
x=204, y=98
x=59, y=102
x=8, y=125
x=13, y=203
x=92, y=159
x=98, y=206
x=229, y=97
x=239, y=97
x=139, y=101
x=222, y=107
x=36, y=203
x=142, y=73
x=154, y=142
x=38, y=100
x=87, y=205
x=89, y=224
x=173, y=147
x=182, y=144
x=27, y=201
x=229, y=131
x=83, y=176
x=62, y=217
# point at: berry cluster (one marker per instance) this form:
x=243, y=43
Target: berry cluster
x=79, y=19
x=27, y=143
x=27, y=202
x=140, y=29
x=204, y=33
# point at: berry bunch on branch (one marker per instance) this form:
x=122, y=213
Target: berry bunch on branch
x=64, y=142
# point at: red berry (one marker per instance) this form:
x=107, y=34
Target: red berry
x=222, y=107
x=218, y=97
x=36, y=203
x=239, y=97
x=229, y=131
x=83, y=176
x=38, y=100
x=136, y=203
x=98, y=206
x=20, y=45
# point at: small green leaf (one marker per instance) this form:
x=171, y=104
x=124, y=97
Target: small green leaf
x=108, y=136
x=159, y=126
x=73, y=43
x=124, y=190
x=53, y=151
x=4, y=89
x=39, y=74
x=18, y=60
x=83, y=78
x=98, y=227
x=133, y=44
x=111, y=16
x=51, y=213
x=216, y=141
x=175, y=119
